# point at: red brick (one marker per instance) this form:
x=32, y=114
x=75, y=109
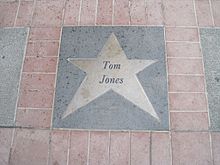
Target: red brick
x=40, y=64
x=121, y=12
x=203, y=12
x=104, y=12
x=185, y=66
x=25, y=13
x=37, y=90
x=78, y=148
x=35, y=98
x=216, y=147
x=87, y=16
x=140, y=148
x=38, y=81
x=59, y=147
x=216, y=11
x=187, y=101
x=155, y=12
x=44, y=34
x=179, y=13
x=5, y=143
x=99, y=148
x=191, y=148
x=36, y=118
x=48, y=13
x=30, y=147
x=119, y=149
x=182, y=34
x=138, y=12
x=72, y=12
x=42, y=49
x=185, y=121
x=160, y=148
x=181, y=49
x=186, y=84
x=8, y=12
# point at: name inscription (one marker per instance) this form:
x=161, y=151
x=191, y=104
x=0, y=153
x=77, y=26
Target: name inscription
x=111, y=80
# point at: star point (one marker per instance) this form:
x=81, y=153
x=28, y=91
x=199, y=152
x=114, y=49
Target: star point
x=111, y=70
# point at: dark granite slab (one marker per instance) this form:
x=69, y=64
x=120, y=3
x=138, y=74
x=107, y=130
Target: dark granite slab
x=210, y=40
x=111, y=110
x=12, y=47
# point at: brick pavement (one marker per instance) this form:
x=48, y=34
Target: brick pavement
x=32, y=140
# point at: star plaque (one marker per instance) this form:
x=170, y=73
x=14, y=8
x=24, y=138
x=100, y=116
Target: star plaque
x=110, y=78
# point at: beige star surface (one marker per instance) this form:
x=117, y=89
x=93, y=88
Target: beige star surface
x=111, y=70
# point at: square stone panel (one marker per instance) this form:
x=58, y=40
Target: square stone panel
x=137, y=100
x=210, y=40
x=12, y=47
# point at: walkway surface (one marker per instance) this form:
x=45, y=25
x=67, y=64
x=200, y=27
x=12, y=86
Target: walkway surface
x=162, y=108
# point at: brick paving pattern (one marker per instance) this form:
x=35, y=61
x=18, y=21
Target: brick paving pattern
x=32, y=140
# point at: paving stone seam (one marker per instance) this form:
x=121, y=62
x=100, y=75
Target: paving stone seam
x=191, y=27
x=96, y=11
x=187, y=27
x=187, y=58
x=168, y=100
x=206, y=94
x=145, y=9
x=101, y=130
x=187, y=92
x=113, y=11
x=211, y=11
x=80, y=11
x=49, y=146
x=20, y=78
x=129, y=10
x=170, y=148
x=11, y=144
x=188, y=111
x=150, y=149
x=68, y=149
x=118, y=25
x=88, y=147
x=207, y=102
x=16, y=16
x=107, y=130
x=32, y=14
x=185, y=74
x=55, y=83
x=12, y=27
x=63, y=13
x=42, y=73
x=180, y=41
x=41, y=57
x=43, y=40
x=129, y=158
x=49, y=109
x=216, y=27
x=167, y=76
x=109, y=145
x=211, y=146
x=204, y=80
x=34, y=72
x=109, y=148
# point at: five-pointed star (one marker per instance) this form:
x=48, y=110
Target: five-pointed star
x=110, y=63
